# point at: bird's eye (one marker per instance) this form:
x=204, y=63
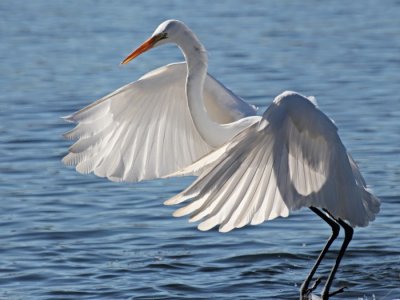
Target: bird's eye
x=161, y=36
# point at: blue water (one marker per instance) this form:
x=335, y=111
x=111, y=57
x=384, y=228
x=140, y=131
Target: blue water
x=69, y=236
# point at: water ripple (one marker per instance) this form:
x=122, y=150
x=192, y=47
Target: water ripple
x=69, y=236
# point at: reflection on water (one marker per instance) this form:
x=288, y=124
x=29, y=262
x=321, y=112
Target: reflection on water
x=69, y=236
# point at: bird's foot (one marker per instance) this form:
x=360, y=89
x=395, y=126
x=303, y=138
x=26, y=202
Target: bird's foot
x=326, y=296
x=315, y=285
x=306, y=293
x=338, y=291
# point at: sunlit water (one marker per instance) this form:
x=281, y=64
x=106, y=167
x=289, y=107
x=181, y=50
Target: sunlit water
x=69, y=236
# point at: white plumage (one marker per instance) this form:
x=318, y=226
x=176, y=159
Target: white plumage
x=178, y=120
x=141, y=132
x=291, y=158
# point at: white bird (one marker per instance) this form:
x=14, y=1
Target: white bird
x=160, y=123
x=251, y=168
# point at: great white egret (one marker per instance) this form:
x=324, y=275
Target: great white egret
x=179, y=120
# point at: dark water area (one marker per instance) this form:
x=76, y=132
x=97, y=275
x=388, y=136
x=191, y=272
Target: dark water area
x=69, y=236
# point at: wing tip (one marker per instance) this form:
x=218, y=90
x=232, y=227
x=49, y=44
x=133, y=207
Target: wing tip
x=174, y=200
x=68, y=135
x=225, y=229
x=204, y=226
x=68, y=160
x=179, y=212
x=69, y=118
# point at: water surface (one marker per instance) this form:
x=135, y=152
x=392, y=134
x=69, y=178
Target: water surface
x=69, y=236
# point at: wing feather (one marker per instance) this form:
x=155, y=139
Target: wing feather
x=239, y=216
x=291, y=158
x=144, y=130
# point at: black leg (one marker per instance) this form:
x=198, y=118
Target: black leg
x=305, y=290
x=347, y=238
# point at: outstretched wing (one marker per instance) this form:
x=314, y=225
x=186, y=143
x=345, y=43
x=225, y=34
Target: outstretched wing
x=290, y=159
x=144, y=130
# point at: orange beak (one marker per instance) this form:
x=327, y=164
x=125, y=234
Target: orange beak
x=147, y=45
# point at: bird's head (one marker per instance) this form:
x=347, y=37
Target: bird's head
x=167, y=32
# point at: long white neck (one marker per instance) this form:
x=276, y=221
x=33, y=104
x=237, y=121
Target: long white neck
x=196, y=58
